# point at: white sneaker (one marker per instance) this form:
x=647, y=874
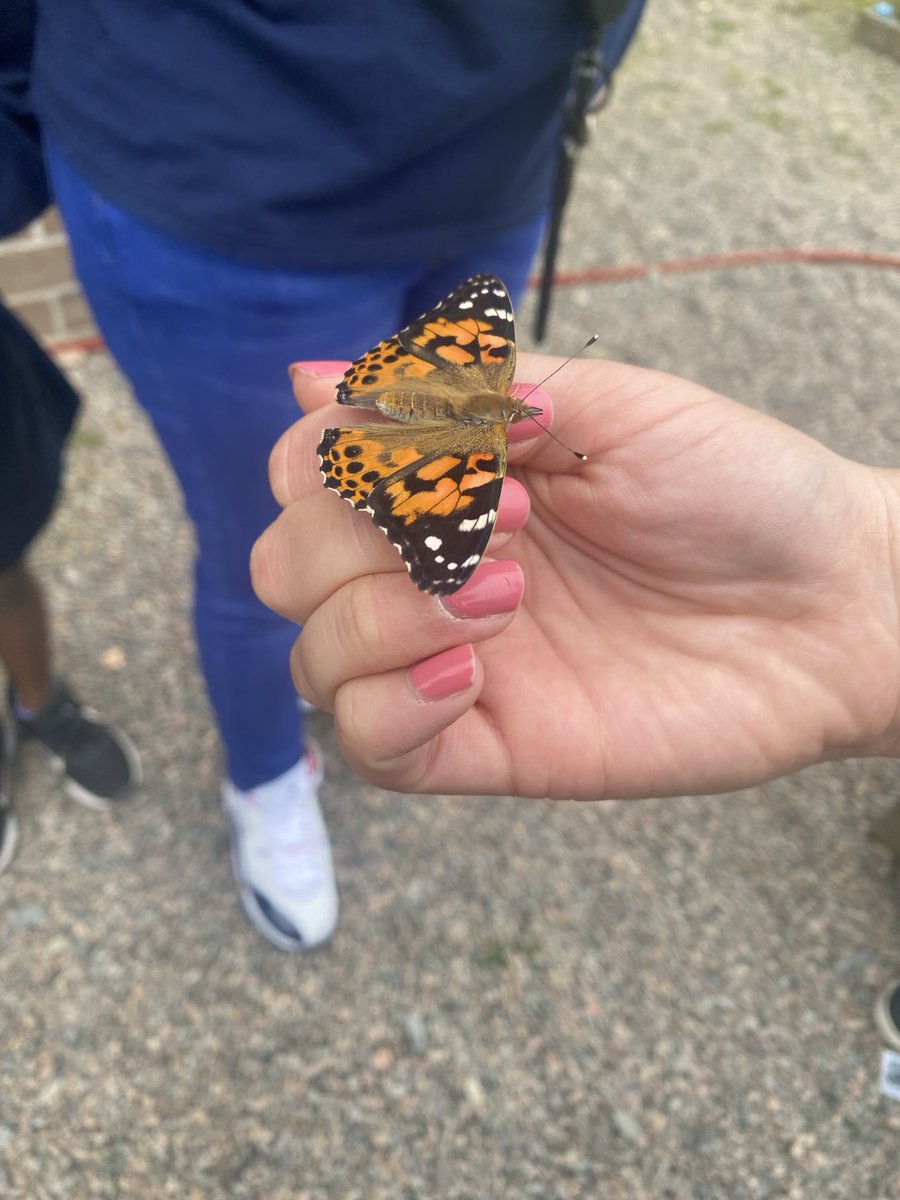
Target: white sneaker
x=282, y=856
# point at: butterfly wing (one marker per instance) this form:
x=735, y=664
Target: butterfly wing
x=434, y=491
x=465, y=344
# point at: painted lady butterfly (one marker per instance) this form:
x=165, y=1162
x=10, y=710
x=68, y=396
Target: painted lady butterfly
x=433, y=483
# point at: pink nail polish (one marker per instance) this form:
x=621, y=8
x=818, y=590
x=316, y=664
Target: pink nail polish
x=495, y=588
x=515, y=507
x=326, y=366
x=446, y=674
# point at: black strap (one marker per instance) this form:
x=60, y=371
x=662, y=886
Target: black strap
x=589, y=90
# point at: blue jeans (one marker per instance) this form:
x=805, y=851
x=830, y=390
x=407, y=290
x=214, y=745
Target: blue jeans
x=205, y=342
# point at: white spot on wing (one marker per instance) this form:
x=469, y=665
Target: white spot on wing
x=433, y=543
x=470, y=523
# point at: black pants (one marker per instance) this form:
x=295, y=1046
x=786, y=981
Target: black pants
x=37, y=408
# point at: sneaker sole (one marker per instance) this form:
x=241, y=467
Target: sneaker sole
x=8, y=750
x=886, y=1026
x=8, y=849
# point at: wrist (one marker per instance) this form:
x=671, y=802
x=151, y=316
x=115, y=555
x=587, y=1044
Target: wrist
x=883, y=577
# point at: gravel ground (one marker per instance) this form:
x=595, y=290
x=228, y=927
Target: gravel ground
x=648, y=1001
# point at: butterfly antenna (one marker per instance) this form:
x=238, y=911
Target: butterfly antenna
x=550, y=433
x=587, y=345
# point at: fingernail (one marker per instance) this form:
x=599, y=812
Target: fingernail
x=495, y=588
x=536, y=397
x=446, y=674
x=515, y=507
x=325, y=366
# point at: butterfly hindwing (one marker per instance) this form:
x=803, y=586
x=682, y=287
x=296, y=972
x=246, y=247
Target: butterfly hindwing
x=435, y=495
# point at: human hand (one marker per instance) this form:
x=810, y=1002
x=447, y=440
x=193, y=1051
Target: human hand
x=709, y=601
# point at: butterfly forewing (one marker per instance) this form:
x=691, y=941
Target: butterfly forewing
x=464, y=344
x=470, y=336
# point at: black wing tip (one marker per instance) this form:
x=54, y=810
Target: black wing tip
x=441, y=587
x=423, y=573
x=484, y=277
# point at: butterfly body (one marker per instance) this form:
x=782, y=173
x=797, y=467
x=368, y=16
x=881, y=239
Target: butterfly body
x=432, y=482
x=479, y=408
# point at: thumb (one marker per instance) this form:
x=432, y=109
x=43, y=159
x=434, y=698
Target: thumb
x=314, y=382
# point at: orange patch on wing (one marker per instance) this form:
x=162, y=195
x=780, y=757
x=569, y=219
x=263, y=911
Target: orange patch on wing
x=477, y=476
x=442, y=501
x=439, y=467
x=398, y=458
x=464, y=330
x=455, y=354
x=375, y=456
x=481, y=479
x=488, y=344
x=415, y=368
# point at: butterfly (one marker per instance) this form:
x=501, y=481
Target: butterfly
x=432, y=483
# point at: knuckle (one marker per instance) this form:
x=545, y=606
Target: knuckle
x=359, y=628
x=360, y=734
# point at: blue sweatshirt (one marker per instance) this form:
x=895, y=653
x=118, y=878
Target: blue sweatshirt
x=315, y=133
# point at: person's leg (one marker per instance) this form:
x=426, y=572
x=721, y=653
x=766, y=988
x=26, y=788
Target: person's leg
x=37, y=408
x=37, y=405
x=25, y=636
x=206, y=343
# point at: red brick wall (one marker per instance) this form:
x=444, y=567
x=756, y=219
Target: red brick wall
x=37, y=282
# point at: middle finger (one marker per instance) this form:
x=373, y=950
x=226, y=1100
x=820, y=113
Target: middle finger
x=320, y=543
x=380, y=623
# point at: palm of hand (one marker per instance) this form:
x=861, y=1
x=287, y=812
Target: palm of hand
x=693, y=605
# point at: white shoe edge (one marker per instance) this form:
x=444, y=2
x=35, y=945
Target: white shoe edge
x=247, y=892
x=8, y=750
x=886, y=1026
x=7, y=853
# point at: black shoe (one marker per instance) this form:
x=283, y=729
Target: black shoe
x=8, y=827
x=887, y=1015
x=99, y=762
